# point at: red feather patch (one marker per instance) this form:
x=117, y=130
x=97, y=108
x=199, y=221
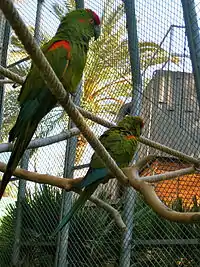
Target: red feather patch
x=65, y=44
x=82, y=20
x=131, y=137
x=95, y=17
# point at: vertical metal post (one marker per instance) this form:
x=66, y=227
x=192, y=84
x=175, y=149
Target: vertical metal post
x=38, y=20
x=19, y=214
x=70, y=154
x=24, y=164
x=79, y=4
x=193, y=36
x=62, y=242
x=130, y=197
x=4, y=51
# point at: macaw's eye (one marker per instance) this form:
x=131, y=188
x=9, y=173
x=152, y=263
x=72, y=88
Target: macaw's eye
x=91, y=21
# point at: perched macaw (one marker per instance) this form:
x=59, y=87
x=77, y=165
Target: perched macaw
x=66, y=52
x=121, y=143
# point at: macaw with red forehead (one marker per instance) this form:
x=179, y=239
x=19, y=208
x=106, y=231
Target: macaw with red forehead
x=66, y=52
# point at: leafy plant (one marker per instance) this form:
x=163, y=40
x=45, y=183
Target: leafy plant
x=94, y=239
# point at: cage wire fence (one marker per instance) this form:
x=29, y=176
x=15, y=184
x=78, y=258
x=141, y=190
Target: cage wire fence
x=30, y=212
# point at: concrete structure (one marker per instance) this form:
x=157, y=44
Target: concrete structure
x=171, y=112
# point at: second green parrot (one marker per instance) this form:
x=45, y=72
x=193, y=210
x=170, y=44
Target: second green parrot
x=121, y=143
x=66, y=52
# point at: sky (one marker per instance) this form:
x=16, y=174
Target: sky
x=154, y=18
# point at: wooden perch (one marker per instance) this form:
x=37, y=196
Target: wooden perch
x=134, y=181
x=155, y=203
x=67, y=184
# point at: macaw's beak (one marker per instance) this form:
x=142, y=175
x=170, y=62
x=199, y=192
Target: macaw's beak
x=97, y=31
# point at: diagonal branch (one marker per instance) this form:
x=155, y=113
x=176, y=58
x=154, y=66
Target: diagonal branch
x=168, y=150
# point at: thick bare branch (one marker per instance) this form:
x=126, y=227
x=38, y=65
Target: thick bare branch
x=67, y=184
x=134, y=180
x=155, y=203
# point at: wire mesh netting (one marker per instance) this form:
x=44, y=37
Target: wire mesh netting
x=30, y=212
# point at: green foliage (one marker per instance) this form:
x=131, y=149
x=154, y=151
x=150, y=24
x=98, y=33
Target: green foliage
x=40, y=216
x=150, y=227
x=11, y=109
x=7, y=235
x=94, y=239
x=41, y=213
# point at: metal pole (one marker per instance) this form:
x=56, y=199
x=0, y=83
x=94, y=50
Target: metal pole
x=193, y=36
x=3, y=61
x=19, y=214
x=24, y=165
x=63, y=236
x=38, y=20
x=130, y=197
x=79, y=4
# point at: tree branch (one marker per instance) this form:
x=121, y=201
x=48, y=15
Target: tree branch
x=168, y=150
x=155, y=203
x=66, y=184
x=167, y=175
x=134, y=181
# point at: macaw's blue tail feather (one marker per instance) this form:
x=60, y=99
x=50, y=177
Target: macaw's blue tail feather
x=90, y=183
x=92, y=176
x=84, y=196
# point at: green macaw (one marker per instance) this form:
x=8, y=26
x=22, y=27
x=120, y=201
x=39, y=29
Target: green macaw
x=121, y=143
x=66, y=52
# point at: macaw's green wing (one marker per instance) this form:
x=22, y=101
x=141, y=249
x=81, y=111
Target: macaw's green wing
x=35, y=101
x=58, y=56
x=119, y=146
x=35, y=98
